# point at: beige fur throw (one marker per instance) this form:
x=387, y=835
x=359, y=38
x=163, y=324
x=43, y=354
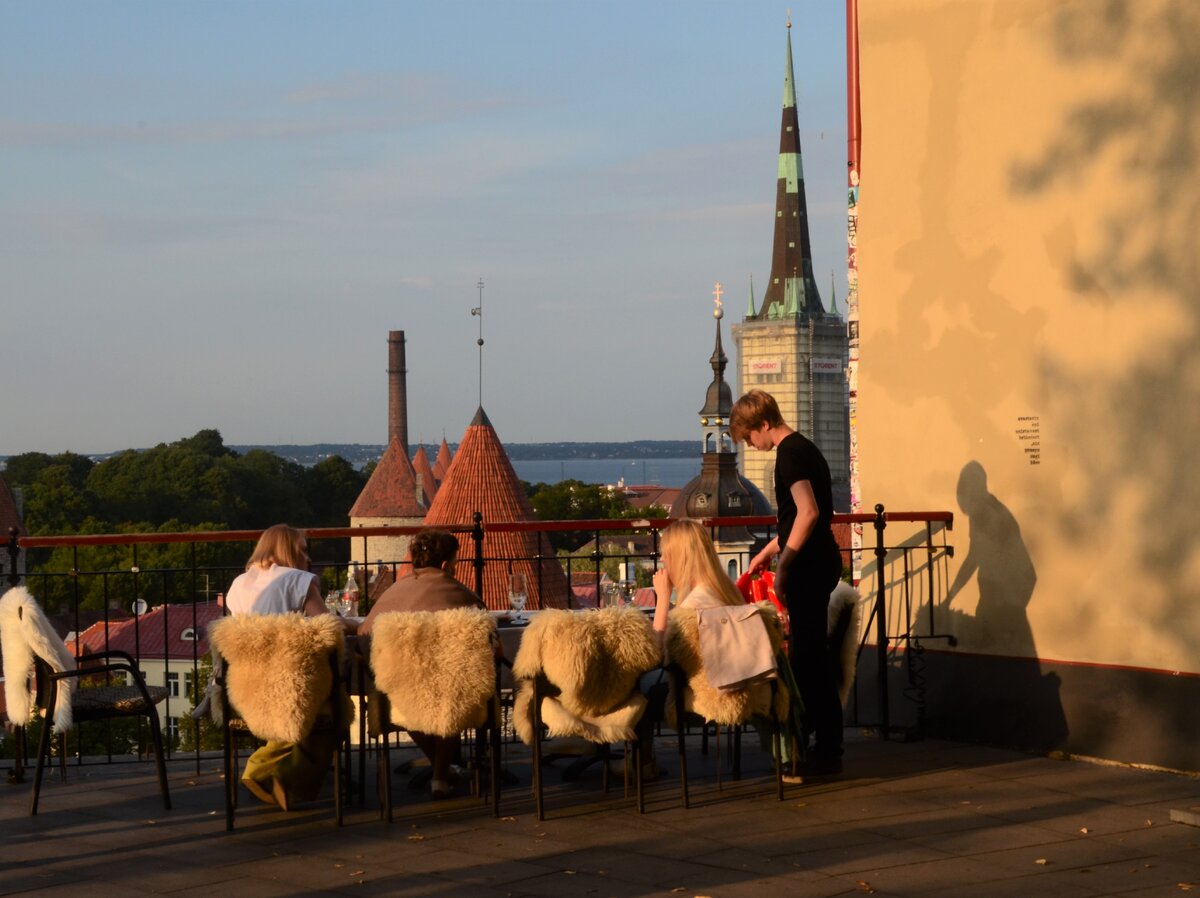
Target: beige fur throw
x=437, y=668
x=277, y=672
x=25, y=634
x=593, y=659
x=723, y=706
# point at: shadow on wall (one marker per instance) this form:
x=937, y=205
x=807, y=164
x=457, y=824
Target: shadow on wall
x=1147, y=120
x=1006, y=699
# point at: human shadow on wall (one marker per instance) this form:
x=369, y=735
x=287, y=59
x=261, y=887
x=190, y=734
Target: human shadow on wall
x=996, y=691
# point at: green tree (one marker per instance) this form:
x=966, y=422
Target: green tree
x=201, y=733
x=573, y=500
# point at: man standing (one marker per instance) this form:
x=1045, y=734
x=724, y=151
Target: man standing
x=809, y=567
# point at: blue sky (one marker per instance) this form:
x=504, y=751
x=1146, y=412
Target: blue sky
x=211, y=214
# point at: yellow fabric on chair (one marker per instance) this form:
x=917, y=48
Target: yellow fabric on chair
x=277, y=674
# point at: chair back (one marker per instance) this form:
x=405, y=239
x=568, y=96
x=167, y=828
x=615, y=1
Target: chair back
x=437, y=669
x=26, y=636
x=724, y=706
x=591, y=662
x=277, y=669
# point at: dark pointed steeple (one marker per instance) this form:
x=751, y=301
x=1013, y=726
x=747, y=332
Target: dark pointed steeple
x=791, y=289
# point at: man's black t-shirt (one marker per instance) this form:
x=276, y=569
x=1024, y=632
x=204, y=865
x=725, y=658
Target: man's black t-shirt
x=798, y=458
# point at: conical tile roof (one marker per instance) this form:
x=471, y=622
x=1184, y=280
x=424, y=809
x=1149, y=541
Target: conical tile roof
x=441, y=464
x=391, y=492
x=422, y=468
x=481, y=479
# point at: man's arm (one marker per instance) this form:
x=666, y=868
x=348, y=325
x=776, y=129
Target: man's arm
x=806, y=520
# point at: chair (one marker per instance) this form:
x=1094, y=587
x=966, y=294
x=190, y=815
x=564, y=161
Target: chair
x=28, y=641
x=577, y=675
x=692, y=693
x=436, y=672
x=280, y=678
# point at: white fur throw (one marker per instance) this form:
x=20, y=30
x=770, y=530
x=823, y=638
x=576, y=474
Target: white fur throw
x=846, y=600
x=723, y=706
x=437, y=668
x=25, y=633
x=277, y=672
x=594, y=659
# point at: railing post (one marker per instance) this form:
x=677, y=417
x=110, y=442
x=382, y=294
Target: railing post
x=477, y=537
x=14, y=551
x=881, y=637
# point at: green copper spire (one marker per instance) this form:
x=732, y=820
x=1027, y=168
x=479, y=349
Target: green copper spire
x=833, y=310
x=750, y=313
x=789, y=87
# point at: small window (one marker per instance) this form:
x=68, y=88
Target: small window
x=172, y=684
x=188, y=635
x=732, y=568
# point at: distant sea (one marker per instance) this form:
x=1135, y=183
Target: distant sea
x=666, y=472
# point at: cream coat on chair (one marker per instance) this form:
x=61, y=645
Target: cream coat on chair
x=25, y=634
x=723, y=706
x=277, y=670
x=437, y=668
x=594, y=659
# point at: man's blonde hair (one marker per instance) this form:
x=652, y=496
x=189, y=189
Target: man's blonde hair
x=750, y=412
x=695, y=562
x=281, y=545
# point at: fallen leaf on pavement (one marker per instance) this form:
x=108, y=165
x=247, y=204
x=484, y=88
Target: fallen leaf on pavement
x=1042, y=861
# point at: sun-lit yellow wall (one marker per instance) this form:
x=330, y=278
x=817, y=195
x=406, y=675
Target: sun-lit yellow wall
x=1029, y=228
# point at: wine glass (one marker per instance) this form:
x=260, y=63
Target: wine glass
x=628, y=589
x=517, y=594
x=333, y=602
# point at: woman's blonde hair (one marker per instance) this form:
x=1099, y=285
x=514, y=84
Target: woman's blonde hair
x=694, y=562
x=281, y=545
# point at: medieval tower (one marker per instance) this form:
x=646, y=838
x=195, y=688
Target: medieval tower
x=791, y=346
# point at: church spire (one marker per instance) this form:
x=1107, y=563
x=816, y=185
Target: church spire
x=750, y=310
x=833, y=309
x=792, y=289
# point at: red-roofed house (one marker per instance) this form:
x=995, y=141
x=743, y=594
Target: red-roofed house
x=481, y=478
x=165, y=640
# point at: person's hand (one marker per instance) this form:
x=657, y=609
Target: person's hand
x=781, y=573
x=761, y=560
x=662, y=586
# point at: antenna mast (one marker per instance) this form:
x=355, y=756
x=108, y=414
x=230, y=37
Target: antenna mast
x=478, y=312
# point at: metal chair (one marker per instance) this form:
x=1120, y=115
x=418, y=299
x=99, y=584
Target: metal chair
x=280, y=677
x=693, y=697
x=578, y=674
x=437, y=673
x=63, y=694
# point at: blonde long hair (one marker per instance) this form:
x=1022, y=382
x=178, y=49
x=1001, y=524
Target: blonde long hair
x=281, y=545
x=694, y=562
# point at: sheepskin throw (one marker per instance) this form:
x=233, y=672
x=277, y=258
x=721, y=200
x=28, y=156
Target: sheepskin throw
x=723, y=706
x=845, y=620
x=593, y=660
x=25, y=634
x=277, y=672
x=437, y=668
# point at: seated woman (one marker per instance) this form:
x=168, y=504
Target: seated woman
x=430, y=586
x=691, y=569
x=277, y=581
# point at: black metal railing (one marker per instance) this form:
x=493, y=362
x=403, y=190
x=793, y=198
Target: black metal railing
x=901, y=577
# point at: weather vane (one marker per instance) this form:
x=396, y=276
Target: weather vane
x=717, y=294
x=478, y=311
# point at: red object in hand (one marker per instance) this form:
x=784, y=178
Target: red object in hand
x=761, y=588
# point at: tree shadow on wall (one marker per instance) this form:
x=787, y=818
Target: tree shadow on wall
x=1147, y=246
x=998, y=692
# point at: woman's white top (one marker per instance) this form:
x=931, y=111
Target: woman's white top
x=700, y=597
x=273, y=590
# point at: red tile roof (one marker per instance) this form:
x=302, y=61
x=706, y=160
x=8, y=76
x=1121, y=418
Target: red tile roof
x=644, y=496
x=156, y=634
x=391, y=492
x=481, y=478
x=429, y=482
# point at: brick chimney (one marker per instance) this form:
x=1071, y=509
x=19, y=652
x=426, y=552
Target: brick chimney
x=397, y=391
